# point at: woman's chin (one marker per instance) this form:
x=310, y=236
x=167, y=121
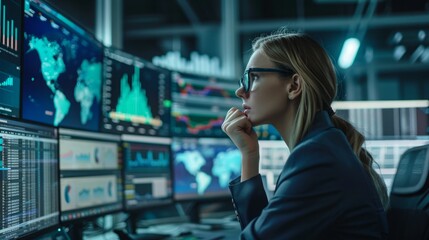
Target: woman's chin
x=254, y=122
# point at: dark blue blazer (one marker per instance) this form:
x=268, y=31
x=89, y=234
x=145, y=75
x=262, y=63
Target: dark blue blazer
x=323, y=192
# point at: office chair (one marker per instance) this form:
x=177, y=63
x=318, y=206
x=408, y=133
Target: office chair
x=408, y=213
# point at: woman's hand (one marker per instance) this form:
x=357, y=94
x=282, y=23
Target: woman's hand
x=238, y=127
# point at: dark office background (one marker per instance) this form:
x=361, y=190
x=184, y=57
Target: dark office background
x=392, y=62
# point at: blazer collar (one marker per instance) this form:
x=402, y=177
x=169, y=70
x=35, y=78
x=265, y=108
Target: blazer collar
x=322, y=121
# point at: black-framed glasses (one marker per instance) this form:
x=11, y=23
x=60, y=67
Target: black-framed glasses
x=246, y=79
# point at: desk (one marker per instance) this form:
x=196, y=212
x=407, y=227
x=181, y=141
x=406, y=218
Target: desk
x=230, y=230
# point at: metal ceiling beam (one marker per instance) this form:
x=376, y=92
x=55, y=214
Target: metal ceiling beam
x=189, y=12
x=230, y=39
x=108, y=20
x=169, y=31
x=391, y=67
x=307, y=24
x=335, y=23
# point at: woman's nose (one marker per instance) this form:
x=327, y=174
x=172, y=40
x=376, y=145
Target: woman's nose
x=240, y=92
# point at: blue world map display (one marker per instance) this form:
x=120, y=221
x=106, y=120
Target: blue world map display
x=62, y=77
x=204, y=167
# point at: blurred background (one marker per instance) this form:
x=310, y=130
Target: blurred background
x=391, y=62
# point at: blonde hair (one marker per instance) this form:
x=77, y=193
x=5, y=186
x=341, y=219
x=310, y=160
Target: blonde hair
x=319, y=87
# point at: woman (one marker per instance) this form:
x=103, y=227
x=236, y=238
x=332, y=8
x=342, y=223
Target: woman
x=327, y=188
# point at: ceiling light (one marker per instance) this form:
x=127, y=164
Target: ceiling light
x=397, y=37
x=348, y=52
x=422, y=35
x=399, y=52
x=417, y=53
x=425, y=55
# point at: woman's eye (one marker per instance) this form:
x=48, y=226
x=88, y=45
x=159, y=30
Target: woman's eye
x=254, y=76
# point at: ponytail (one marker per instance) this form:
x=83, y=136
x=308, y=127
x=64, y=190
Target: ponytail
x=356, y=140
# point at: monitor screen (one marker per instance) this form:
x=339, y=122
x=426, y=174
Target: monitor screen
x=136, y=96
x=204, y=167
x=29, y=178
x=273, y=156
x=10, y=57
x=387, y=119
x=90, y=174
x=62, y=70
x=267, y=132
x=200, y=104
x=147, y=171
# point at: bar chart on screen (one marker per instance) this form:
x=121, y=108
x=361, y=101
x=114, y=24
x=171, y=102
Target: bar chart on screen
x=10, y=59
x=10, y=23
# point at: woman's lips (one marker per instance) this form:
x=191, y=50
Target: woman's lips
x=246, y=109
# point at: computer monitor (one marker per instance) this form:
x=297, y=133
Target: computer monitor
x=29, y=179
x=405, y=119
x=62, y=73
x=90, y=174
x=200, y=104
x=136, y=96
x=147, y=171
x=267, y=132
x=273, y=156
x=203, y=167
x=10, y=57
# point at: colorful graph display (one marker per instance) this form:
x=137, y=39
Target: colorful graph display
x=200, y=104
x=136, y=96
x=146, y=156
x=82, y=192
x=88, y=154
x=63, y=70
x=147, y=171
x=203, y=167
x=10, y=57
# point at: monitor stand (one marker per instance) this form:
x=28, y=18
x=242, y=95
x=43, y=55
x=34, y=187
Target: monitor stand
x=131, y=231
x=76, y=231
x=194, y=214
x=132, y=223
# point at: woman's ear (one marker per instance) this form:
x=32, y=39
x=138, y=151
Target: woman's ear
x=294, y=87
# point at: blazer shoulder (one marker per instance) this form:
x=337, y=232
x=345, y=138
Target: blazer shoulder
x=323, y=146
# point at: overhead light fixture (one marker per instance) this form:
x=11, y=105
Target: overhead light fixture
x=417, y=53
x=425, y=56
x=397, y=37
x=348, y=52
x=422, y=35
x=399, y=52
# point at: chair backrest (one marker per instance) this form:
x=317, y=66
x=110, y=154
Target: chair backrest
x=408, y=213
